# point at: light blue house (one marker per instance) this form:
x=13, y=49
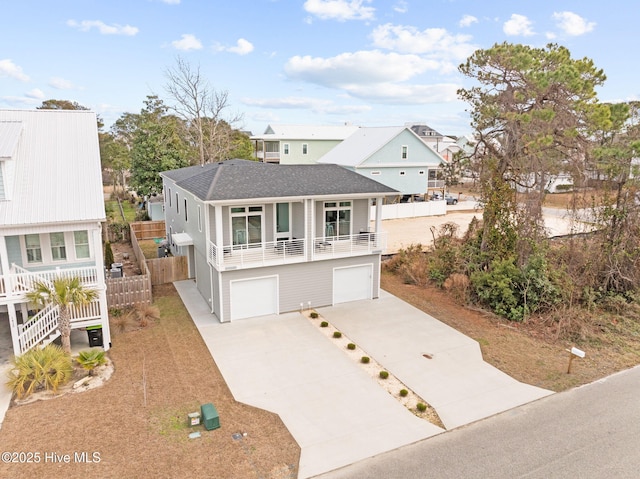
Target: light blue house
x=393, y=156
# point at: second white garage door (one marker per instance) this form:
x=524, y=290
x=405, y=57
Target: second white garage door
x=254, y=297
x=352, y=283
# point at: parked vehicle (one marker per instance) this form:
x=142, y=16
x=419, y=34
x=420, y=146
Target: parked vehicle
x=451, y=200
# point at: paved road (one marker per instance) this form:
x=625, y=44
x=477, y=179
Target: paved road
x=588, y=432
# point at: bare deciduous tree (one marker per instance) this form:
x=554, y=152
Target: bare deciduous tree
x=203, y=109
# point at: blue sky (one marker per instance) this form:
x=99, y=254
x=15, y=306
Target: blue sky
x=368, y=62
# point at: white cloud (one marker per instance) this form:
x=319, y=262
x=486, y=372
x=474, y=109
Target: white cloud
x=103, y=28
x=467, y=21
x=518, y=25
x=242, y=47
x=340, y=10
x=36, y=94
x=434, y=42
x=401, y=6
x=187, y=42
x=572, y=24
x=303, y=103
x=362, y=67
x=393, y=93
x=11, y=70
x=61, y=84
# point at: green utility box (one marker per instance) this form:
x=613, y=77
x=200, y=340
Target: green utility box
x=210, y=417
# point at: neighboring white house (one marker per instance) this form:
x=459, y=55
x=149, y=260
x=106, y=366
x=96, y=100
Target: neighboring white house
x=265, y=239
x=51, y=210
x=298, y=144
x=394, y=156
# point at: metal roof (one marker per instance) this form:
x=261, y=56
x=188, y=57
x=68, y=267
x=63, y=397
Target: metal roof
x=57, y=174
x=243, y=179
x=306, y=132
x=9, y=136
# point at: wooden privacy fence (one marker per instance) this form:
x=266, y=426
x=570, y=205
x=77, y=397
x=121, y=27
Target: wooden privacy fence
x=168, y=270
x=128, y=291
x=148, y=229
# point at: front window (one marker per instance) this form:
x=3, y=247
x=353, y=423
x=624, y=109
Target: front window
x=81, y=241
x=58, y=250
x=34, y=252
x=246, y=225
x=405, y=152
x=337, y=218
x=285, y=148
x=305, y=148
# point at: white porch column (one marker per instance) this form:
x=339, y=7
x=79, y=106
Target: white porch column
x=13, y=324
x=378, y=214
x=4, y=257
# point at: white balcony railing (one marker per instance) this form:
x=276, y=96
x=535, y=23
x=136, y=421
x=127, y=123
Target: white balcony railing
x=20, y=280
x=294, y=251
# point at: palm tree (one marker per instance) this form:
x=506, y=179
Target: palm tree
x=63, y=292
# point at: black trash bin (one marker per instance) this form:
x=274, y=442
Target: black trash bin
x=95, y=336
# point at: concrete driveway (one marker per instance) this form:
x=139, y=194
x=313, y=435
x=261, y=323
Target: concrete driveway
x=336, y=412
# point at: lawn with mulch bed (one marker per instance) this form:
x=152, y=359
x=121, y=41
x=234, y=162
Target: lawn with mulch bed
x=137, y=421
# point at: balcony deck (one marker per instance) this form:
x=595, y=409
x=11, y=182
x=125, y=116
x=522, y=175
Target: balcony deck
x=15, y=284
x=294, y=251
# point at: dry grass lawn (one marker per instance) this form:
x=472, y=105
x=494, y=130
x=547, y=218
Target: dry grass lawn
x=137, y=421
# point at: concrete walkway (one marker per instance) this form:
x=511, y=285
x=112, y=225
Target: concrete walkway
x=336, y=411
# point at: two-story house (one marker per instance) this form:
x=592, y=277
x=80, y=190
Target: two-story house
x=298, y=144
x=265, y=239
x=51, y=210
x=394, y=156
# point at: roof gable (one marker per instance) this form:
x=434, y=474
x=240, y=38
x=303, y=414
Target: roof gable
x=307, y=132
x=377, y=144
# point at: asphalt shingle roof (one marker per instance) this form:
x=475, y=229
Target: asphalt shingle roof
x=243, y=179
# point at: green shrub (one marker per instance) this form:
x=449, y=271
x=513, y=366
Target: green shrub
x=404, y=393
x=324, y=324
x=365, y=360
x=351, y=346
x=422, y=407
x=337, y=334
x=40, y=369
x=384, y=374
x=89, y=359
x=313, y=315
x=108, y=255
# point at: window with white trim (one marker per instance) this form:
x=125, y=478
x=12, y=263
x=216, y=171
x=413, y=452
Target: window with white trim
x=305, y=148
x=58, y=248
x=405, y=152
x=402, y=172
x=246, y=225
x=186, y=219
x=285, y=148
x=199, y=218
x=34, y=251
x=420, y=172
x=177, y=204
x=81, y=244
x=337, y=218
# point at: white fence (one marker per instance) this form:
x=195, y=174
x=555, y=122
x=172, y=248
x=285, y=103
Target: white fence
x=411, y=210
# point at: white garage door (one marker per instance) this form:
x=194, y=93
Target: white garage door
x=254, y=297
x=352, y=283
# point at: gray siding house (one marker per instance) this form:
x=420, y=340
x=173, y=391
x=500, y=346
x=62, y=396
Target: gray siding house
x=266, y=239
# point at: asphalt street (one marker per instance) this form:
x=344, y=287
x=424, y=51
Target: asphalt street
x=589, y=432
